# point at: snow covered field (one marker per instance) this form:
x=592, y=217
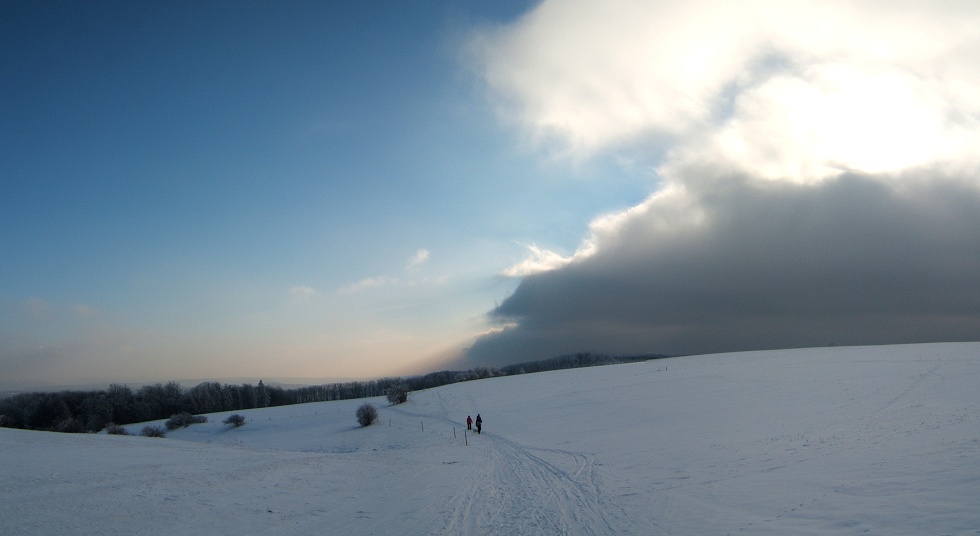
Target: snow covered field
x=869, y=440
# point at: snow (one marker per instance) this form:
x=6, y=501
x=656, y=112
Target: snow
x=863, y=440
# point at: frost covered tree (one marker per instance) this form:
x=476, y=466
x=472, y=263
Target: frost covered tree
x=366, y=414
x=235, y=420
x=397, y=394
x=152, y=431
x=262, y=397
x=115, y=429
x=183, y=420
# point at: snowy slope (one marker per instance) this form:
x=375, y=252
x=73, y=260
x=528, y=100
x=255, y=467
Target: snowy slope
x=870, y=440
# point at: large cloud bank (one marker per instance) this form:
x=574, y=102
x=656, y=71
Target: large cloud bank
x=820, y=183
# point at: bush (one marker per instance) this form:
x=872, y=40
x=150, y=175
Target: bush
x=367, y=414
x=236, y=420
x=152, y=431
x=183, y=420
x=397, y=394
x=70, y=426
x=115, y=429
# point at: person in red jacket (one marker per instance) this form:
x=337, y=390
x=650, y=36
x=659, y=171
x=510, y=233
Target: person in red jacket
x=469, y=423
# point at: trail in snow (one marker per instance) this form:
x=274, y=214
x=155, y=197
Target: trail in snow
x=520, y=492
x=517, y=489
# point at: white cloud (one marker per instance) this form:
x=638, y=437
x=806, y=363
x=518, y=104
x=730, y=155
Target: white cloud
x=368, y=283
x=538, y=260
x=796, y=90
x=834, y=118
x=670, y=212
x=496, y=330
x=781, y=91
x=592, y=74
x=301, y=294
x=421, y=257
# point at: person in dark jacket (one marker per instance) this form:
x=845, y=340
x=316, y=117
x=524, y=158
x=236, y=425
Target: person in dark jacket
x=479, y=423
x=469, y=422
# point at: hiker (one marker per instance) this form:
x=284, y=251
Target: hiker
x=479, y=423
x=469, y=423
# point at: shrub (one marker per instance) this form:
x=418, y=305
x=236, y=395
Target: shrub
x=236, y=420
x=70, y=426
x=397, y=394
x=183, y=420
x=152, y=431
x=115, y=429
x=367, y=414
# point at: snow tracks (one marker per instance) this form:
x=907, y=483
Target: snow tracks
x=525, y=490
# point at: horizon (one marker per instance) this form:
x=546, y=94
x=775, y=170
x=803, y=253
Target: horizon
x=282, y=382
x=351, y=190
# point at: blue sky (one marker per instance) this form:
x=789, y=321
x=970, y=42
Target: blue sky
x=322, y=190
x=188, y=182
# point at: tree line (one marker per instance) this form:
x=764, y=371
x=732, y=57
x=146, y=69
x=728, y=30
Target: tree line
x=92, y=411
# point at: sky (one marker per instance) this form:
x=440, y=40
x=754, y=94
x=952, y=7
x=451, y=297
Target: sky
x=310, y=191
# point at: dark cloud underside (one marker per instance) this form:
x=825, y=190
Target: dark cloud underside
x=769, y=265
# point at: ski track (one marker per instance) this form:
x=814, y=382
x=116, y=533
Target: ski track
x=520, y=492
x=915, y=382
x=529, y=490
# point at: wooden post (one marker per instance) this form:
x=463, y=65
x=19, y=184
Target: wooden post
x=454, y=432
x=465, y=441
x=423, y=425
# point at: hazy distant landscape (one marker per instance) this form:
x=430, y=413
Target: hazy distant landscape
x=848, y=440
x=92, y=410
